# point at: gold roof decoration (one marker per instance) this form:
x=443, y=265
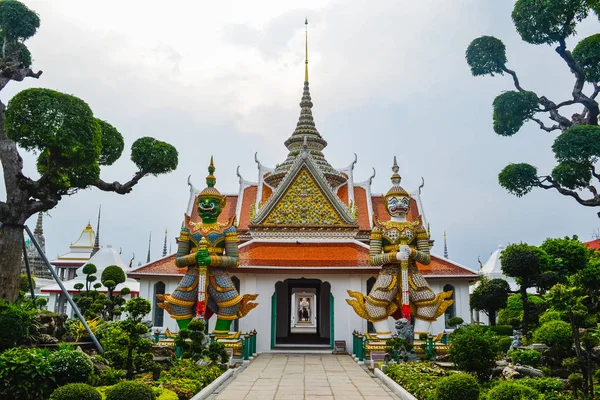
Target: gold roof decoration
x=396, y=189
x=210, y=190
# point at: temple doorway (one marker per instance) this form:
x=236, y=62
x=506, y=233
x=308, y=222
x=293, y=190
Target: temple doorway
x=302, y=314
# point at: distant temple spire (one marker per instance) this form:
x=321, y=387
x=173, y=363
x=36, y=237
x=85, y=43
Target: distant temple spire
x=97, y=238
x=306, y=52
x=165, y=244
x=39, y=229
x=149, y=244
x=445, y=246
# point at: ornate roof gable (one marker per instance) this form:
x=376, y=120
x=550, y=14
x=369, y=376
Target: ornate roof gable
x=304, y=198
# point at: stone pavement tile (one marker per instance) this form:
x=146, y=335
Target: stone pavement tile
x=232, y=394
x=289, y=396
x=259, y=396
x=317, y=391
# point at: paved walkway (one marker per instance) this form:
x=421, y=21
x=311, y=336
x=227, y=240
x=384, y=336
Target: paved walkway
x=300, y=377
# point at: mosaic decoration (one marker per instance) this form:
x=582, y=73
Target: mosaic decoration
x=304, y=203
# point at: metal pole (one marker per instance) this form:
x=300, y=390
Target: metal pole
x=26, y=260
x=64, y=290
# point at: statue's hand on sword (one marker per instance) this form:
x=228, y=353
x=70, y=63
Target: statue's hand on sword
x=202, y=257
x=403, y=253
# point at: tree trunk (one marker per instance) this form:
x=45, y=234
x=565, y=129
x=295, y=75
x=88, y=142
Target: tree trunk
x=580, y=356
x=129, y=362
x=523, y=290
x=492, y=317
x=11, y=249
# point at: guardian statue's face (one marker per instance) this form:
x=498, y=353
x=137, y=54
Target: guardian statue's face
x=398, y=206
x=209, y=209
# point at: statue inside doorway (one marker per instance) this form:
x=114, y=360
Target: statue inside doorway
x=304, y=310
x=400, y=291
x=208, y=249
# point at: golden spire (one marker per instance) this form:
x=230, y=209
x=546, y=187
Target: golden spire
x=306, y=52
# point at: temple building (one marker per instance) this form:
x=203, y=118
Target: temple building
x=36, y=265
x=304, y=229
x=79, y=253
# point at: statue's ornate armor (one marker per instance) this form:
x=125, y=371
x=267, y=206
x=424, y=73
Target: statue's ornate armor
x=223, y=298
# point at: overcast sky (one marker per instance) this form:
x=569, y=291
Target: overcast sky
x=225, y=79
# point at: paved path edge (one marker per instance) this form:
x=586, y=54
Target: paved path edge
x=211, y=387
x=393, y=386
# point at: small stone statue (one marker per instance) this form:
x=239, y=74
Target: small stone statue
x=516, y=341
x=405, y=330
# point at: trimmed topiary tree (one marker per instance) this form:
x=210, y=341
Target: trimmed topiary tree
x=76, y=391
x=457, y=387
x=554, y=334
x=130, y=390
x=474, y=349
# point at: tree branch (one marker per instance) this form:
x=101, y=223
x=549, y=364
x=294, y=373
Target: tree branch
x=515, y=78
x=544, y=127
x=596, y=90
x=118, y=187
x=16, y=74
x=593, y=202
x=594, y=173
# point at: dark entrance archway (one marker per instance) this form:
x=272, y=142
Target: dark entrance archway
x=302, y=313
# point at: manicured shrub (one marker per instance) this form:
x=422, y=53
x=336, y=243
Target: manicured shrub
x=532, y=358
x=130, y=390
x=70, y=366
x=474, y=349
x=186, y=378
x=457, y=387
x=554, y=333
x=502, y=330
x=544, y=385
x=17, y=320
x=455, y=321
x=25, y=374
x=504, y=342
x=76, y=391
x=164, y=394
x=512, y=391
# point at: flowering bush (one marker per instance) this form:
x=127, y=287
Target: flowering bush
x=70, y=366
x=418, y=378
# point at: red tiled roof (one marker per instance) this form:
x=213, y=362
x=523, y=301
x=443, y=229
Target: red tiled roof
x=303, y=254
x=247, y=202
x=441, y=266
x=266, y=193
x=163, y=266
x=343, y=193
x=593, y=244
x=360, y=199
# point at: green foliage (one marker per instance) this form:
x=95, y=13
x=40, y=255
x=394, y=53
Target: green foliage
x=153, y=156
x=76, y=391
x=566, y=256
x=575, y=381
x=579, y=144
x=532, y=358
x=89, y=269
x=474, y=349
x=513, y=313
x=572, y=175
x=502, y=330
x=523, y=262
x=70, y=366
x=62, y=129
x=20, y=319
x=25, y=374
x=587, y=55
x=486, y=55
x=112, y=143
x=518, y=179
x=419, y=379
x=130, y=391
x=455, y=321
x=138, y=308
x=548, y=21
x=186, y=378
x=512, y=391
x=504, y=342
x=17, y=22
x=490, y=296
x=112, y=273
x=108, y=376
x=512, y=109
x=398, y=349
x=550, y=315
x=192, y=340
x=164, y=394
x=554, y=333
x=457, y=387
x=24, y=283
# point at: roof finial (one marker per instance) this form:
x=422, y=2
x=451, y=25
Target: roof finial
x=97, y=238
x=149, y=244
x=396, y=178
x=210, y=179
x=445, y=246
x=306, y=52
x=39, y=228
x=165, y=244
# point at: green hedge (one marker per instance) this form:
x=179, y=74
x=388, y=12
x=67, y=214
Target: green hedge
x=554, y=334
x=70, y=366
x=130, y=391
x=25, y=374
x=502, y=330
x=532, y=358
x=512, y=391
x=457, y=387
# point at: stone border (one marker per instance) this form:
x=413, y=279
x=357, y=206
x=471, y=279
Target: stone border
x=211, y=387
x=393, y=386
